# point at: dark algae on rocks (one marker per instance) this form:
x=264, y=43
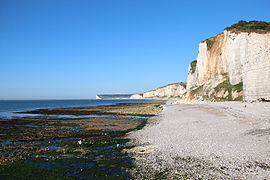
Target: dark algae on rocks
x=90, y=144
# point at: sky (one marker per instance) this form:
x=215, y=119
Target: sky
x=75, y=49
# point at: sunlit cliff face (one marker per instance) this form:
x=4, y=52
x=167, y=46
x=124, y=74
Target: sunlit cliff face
x=243, y=57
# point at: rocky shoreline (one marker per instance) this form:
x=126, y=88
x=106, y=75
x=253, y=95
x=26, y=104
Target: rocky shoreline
x=72, y=143
x=203, y=140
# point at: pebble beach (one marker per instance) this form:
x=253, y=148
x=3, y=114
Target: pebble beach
x=213, y=140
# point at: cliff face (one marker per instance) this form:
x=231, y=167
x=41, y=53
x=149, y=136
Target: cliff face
x=240, y=59
x=171, y=90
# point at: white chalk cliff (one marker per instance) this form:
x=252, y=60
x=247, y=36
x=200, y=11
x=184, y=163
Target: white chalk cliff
x=238, y=57
x=171, y=90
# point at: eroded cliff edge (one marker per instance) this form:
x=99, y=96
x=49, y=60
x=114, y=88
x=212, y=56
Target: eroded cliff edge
x=234, y=65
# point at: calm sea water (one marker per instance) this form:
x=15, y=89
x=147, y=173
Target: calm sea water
x=7, y=107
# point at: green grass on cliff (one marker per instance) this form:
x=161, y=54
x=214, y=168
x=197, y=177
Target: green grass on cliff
x=184, y=84
x=251, y=26
x=225, y=86
x=197, y=91
x=193, y=65
x=210, y=42
x=243, y=26
x=230, y=88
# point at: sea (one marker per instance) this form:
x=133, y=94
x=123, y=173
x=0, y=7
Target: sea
x=9, y=108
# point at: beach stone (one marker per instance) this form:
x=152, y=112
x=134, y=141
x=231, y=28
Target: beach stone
x=228, y=140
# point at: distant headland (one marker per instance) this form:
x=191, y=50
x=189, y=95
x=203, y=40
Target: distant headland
x=113, y=96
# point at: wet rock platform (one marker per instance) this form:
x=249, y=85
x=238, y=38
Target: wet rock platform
x=72, y=143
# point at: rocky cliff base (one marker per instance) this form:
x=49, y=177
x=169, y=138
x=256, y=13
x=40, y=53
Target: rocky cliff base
x=216, y=89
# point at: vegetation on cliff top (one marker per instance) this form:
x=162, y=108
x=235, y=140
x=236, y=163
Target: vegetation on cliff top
x=243, y=26
x=180, y=83
x=210, y=42
x=251, y=26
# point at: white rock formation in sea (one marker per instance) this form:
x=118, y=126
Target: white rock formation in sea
x=239, y=57
x=171, y=90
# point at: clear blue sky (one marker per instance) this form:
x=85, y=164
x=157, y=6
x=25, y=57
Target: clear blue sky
x=55, y=49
